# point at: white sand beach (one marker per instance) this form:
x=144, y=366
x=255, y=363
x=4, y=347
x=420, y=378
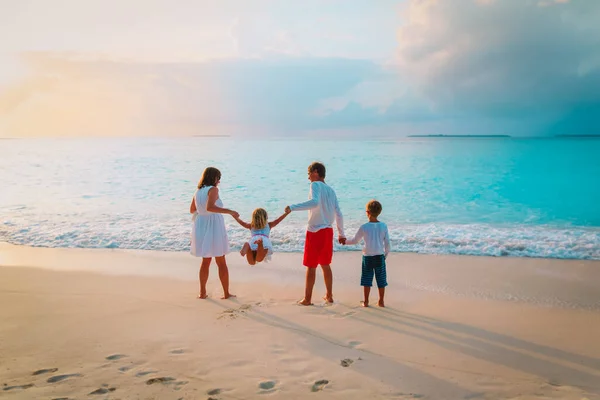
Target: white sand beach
x=127, y=325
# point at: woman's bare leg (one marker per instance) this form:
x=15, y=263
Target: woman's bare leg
x=224, y=276
x=203, y=276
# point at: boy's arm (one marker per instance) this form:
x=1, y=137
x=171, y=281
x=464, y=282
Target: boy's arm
x=339, y=220
x=386, y=241
x=273, y=224
x=242, y=223
x=357, y=238
x=313, y=199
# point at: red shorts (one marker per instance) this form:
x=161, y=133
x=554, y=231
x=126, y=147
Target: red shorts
x=318, y=248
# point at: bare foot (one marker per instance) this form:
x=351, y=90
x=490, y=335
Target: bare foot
x=227, y=296
x=364, y=303
x=245, y=249
x=380, y=303
x=328, y=299
x=202, y=296
x=304, y=302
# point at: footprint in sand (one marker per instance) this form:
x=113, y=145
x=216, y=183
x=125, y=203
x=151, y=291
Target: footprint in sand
x=233, y=313
x=125, y=368
x=115, y=357
x=162, y=379
x=213, y=392
x=103, y=390
x=267, y=386
x=344, y=314
x=45, y=371
x=319, y=385
x=177, y=351
x=18, y=387
x=144, y=373
x=346, y=362
x=408, y=395
x=58, y=378
x=354, y=344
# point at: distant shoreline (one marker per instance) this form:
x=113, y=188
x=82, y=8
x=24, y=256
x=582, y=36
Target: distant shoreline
x=211, y=136
x=460, y=136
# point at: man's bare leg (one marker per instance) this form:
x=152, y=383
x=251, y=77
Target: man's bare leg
x=203, y=277
x=367, y=291
x=224, y=276
x=311, y=274
x=380, y=303
x=328, y=278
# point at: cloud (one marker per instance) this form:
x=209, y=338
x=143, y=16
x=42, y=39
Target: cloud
x=67, y=95
x=468, y=66
x=505, y=59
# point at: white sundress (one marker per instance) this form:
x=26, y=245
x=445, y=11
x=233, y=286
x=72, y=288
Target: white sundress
x=209, y=236
x=264, y=235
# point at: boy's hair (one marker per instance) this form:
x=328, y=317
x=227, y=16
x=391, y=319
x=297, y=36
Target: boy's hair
x=319, y=167
x=374, y=208
x=259, y=218
x=210, y=177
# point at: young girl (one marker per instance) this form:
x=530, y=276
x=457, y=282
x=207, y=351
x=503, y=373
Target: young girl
x=259, y=247
x=209, y=237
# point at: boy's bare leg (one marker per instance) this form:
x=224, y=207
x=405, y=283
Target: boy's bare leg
x=311, y=273
x=380, y=303
x=367, y=291
x=224, y=276
x=328, y=278
x=203, y=277
x=245, y=249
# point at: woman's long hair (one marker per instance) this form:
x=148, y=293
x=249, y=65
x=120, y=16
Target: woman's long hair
x=210, y=177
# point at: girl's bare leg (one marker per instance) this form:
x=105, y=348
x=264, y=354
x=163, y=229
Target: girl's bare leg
x=224, y=276
x=245, y=249
x=250, y=257
x=261, y=252
x=203, y=276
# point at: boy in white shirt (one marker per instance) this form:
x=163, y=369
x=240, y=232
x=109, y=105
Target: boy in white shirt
x=375, y=251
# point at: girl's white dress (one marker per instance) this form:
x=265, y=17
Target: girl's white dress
x=264, y=235
x=209, y=236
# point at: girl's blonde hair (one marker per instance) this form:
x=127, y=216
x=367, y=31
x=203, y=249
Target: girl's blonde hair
x=259, y=218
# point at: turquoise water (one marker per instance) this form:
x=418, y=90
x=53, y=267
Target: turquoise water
x=515, y=197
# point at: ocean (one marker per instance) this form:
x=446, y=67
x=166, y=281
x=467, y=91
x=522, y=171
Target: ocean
x=475, y=196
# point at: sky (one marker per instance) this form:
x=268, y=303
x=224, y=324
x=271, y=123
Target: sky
x=284, y=67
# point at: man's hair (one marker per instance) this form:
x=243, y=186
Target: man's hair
x=319, y=167
x=374, y=208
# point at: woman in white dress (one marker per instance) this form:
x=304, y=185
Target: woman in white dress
x=209, y=236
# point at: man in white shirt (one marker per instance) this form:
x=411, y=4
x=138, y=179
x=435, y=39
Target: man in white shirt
x=323, y=209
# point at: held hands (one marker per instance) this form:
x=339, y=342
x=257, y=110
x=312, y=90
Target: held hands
x=234, y=214
x=288, y=210
x=342, y=240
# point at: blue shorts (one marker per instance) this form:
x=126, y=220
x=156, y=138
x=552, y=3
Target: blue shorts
x=373, y=266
